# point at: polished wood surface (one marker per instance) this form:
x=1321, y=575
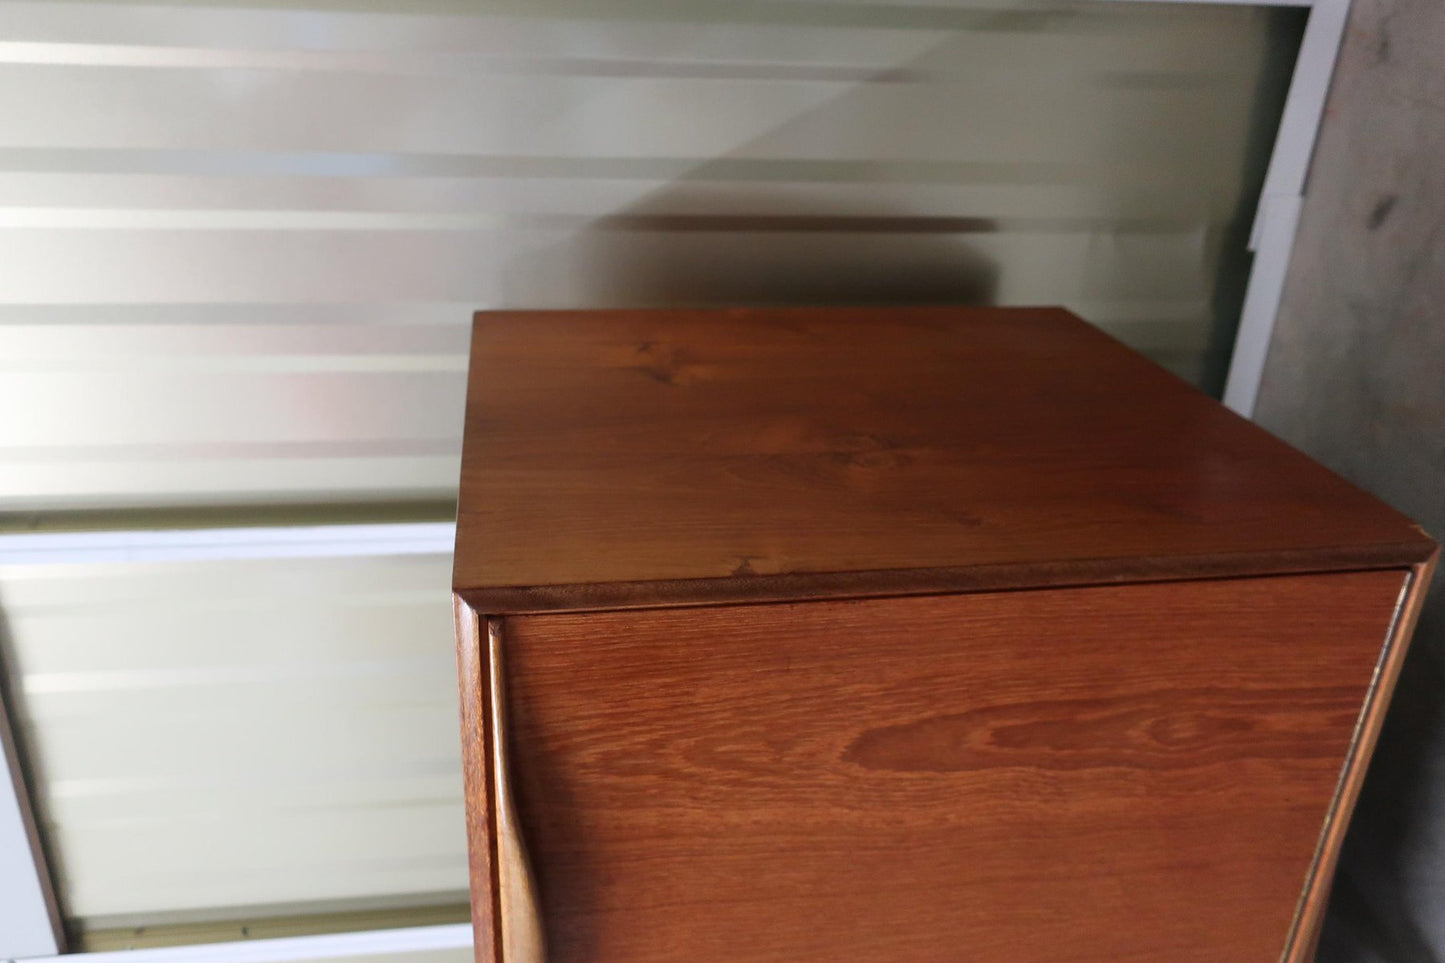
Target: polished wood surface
x=473, y=677
x=643, y=458
x=1147, y=748
x=519, y=918
x=1096, y=775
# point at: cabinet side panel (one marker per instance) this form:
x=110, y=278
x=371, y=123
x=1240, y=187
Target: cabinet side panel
x=1317, y=893
x=472, y=680
x=1126, y=773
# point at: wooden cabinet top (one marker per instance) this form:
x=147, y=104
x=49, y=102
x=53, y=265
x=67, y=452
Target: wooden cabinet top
x=620, y=459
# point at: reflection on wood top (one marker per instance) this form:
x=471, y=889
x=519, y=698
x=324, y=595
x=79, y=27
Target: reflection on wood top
x=635, y=458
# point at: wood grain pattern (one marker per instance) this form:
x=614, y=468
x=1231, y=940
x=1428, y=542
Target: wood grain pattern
x=518, y=918
x=1125, y=773
x=638, y=458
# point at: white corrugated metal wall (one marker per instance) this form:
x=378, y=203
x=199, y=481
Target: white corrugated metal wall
x=239, y=248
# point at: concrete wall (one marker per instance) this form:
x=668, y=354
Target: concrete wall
x=1356, y=377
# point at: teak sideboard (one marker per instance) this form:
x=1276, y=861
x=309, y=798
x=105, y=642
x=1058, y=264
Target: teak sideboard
x=902, y=635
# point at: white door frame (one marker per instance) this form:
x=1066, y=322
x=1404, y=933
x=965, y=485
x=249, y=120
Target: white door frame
x=335, y=947
x=29, y=925
x=1277, y=216
x=29, y=914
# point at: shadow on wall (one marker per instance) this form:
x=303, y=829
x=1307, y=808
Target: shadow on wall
x=707, y=239
x=677, y=248
x=861, y=192
x=1378, y=903
x=1285, y=32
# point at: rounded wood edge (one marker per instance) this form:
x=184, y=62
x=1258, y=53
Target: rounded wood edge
x=519, y=920
x=809, y=586
x=1303, y=940
x=472, y=682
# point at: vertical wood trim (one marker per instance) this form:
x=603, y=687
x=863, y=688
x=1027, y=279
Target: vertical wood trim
x=473, y=678
x=1309, y=917
x=518, y=917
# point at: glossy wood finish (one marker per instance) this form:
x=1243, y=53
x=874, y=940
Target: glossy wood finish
x=473, y=677
x=1146, y=749
x=1128, y=773
x=519, y=917
x=642, y=458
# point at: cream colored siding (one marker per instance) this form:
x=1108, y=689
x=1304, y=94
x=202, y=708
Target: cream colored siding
x=220, y=734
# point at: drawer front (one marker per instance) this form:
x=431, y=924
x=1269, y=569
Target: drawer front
x=1126, y=773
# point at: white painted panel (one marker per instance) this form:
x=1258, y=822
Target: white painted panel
x=29, y=923
x=221, y=734
x=1279, y=219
